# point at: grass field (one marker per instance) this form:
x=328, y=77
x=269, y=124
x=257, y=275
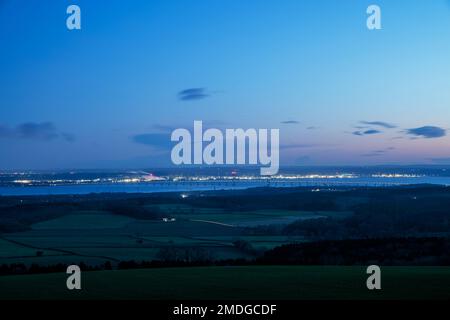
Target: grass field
x=243, y=218
x=12, y=250
x=97, y=236
x=84, y=221
x=236, y=283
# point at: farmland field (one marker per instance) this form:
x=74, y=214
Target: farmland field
x=10, y=249
x=256, y=244
x=84, y=220
x=236, y=283
x=100, y=237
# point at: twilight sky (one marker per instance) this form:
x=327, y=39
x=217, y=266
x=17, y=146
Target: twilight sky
x=108, y=96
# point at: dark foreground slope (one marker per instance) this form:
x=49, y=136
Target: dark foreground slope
x=236, y=283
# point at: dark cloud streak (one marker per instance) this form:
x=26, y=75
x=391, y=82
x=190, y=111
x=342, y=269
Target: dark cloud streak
x=365, y=133
x=193, y=94
x=44, y=131
x=297, y=146
x=156, y=140
x=379, y=124
x=427, y=132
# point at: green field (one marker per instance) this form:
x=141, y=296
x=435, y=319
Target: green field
x=84, y=221
x=13, y=250
x=212, y=231
x=97, y=236
x=243, y=218
x=236, y=283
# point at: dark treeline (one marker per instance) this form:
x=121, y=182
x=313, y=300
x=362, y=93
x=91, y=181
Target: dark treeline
x=392, y=216
x=388, y=251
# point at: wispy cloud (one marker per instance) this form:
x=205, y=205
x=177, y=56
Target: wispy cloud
x=290, y=122
x=193, y=94
x=377, y=153
x=367, y=132
x=297, y=146
x=38, y=131
x=163, y=128
x=44, y=131
x=5, y=131
x=382, y=124
x=207, y=124
x=371, y=131
x=156, y=140
x=428, y=132
x=68, y=137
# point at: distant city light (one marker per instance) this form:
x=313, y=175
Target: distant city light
x=31, y=179
x=23, y=181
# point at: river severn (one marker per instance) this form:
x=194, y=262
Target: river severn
x=220, y=184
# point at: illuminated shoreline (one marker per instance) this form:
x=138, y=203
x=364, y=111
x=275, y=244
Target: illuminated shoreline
x=146, y=179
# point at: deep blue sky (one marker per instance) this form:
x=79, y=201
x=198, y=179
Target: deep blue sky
x=107, y=96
